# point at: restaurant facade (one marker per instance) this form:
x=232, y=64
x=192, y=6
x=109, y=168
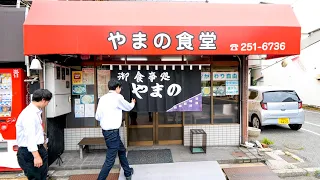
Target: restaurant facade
x=186, y=64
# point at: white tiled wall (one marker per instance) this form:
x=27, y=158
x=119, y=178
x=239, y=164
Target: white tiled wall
x=72, y=136
x=217, y=135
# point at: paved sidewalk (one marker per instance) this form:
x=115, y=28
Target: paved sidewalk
x=178, y=170
x=284, y=164
x=223, y=155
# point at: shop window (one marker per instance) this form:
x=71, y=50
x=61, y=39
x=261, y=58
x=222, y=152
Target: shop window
x=170, y=118
x=203, y=117
x=83, y=99
x=225, y=93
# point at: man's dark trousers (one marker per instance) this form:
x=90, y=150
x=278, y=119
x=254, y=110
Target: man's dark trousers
x=115, y=146
x=26, y=162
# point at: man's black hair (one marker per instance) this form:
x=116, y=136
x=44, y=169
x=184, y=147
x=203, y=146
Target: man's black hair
x=113, y=84
x=41, y=94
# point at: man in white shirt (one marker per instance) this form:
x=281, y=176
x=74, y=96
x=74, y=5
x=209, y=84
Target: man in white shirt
x=32, y=156
x=109, y=113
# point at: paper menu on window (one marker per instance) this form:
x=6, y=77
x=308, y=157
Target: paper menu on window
x=102, y=90
x=79, y=111
x=88, y=75
x=232, y=87
x=89, y=110
x=103, y=79
x=77, y=101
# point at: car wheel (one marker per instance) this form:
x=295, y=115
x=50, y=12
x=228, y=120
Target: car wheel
x=295, y=126
x=256, y=122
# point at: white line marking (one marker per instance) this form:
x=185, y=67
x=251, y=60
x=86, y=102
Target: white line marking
x=312, y=124
x=310, y=131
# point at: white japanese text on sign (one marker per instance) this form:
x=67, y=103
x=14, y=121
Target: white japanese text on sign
x=138, y=89
x=163, y=40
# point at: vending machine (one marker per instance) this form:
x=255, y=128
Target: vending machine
x=12, y=102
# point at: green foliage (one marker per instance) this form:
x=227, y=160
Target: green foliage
x=267, y=141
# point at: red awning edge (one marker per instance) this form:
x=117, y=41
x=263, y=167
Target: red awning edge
x=160, y=28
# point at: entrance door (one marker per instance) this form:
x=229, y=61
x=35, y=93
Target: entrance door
x=154, y=128
x=169, y=128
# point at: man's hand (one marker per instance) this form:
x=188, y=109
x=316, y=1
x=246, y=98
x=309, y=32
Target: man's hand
x=133, y=100
x=37, y=161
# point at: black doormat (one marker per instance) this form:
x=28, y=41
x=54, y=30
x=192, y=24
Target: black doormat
x=155, y=156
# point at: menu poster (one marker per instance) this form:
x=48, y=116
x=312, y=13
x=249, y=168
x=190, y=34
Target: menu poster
x=103, y=76
x=219, y=91
x=76, y=77
x=103, y=79
x=88, y=110
x=88, y=75
x=79, y=89
x=205, y=91
x=79, y=111
x=87, y=99
x=102, y=90
x=232, y=87
x=77, y=101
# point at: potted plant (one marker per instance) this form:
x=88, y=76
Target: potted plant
x=266, y=142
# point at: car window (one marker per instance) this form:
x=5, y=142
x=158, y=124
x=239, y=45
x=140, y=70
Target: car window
x=253, y=94
x=280, y=96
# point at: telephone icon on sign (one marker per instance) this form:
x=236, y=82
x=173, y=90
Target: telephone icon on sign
x=234, y=47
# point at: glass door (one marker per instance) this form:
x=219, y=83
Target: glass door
x=169, y=129
x=147, y=128
x=141, y=131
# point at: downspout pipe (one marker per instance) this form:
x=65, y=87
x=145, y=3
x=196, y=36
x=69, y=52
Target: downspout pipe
x=26, y=58
x=240, y=98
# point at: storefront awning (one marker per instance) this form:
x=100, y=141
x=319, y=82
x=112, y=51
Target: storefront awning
x=160, y=28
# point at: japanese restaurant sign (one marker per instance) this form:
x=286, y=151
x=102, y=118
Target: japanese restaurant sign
x=169, y=41
x=161, y=90
x=205, y=41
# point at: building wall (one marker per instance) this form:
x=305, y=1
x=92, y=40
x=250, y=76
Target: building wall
x=217, y=135
x=11, y=34
x=300, y=75
x=72, y=136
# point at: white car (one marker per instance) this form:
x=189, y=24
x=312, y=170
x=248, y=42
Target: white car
x=274, y=106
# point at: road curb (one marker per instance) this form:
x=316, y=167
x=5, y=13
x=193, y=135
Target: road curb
x=296, y=172
x=290, y=172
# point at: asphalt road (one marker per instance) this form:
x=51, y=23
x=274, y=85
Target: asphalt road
x=305, y=143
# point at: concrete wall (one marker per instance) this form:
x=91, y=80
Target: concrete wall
x=299, y=75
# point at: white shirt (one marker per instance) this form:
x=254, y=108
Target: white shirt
x=109, y=110
x=29, y=128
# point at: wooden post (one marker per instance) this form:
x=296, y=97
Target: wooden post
x=244, y=102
